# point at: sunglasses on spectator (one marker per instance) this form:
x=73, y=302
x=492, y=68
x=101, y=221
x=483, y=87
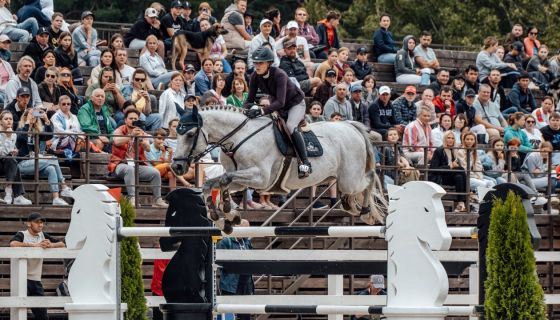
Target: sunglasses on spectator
x=49, y=75
x=530, y=121
x=533, y=33
x=139, y=79
x=64, y=74
x=302, y=14
x=66, y=104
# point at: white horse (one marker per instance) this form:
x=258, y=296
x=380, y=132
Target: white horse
x=256, y=163
x=415, y=227
x=93, y=232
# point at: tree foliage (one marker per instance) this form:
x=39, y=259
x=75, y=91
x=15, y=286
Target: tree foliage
x=512, y=287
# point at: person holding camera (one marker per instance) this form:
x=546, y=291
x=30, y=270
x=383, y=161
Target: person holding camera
x=137, y=93
x=113, y=96
x=125, y=157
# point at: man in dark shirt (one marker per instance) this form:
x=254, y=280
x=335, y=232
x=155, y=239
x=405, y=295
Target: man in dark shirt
x=359, y=108
x=381, y=116
x=295, y=68
x=172, y=22
x=520, y=97
x=141, y=29
x=55, y=28
x=497, y=95
x=361, y=66
x=442, y=79
x=466, y=107
x=18, y=105
x=516, y=55
x=326, y=90
x=38, y=46
x=551, y=133
x=471, y=78
x=239, y=70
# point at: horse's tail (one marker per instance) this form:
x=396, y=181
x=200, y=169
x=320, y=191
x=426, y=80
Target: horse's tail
x=370, y=156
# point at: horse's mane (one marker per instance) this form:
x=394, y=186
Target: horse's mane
x=218, y=107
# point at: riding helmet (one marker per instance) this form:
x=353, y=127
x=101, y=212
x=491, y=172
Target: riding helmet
x=263, y=54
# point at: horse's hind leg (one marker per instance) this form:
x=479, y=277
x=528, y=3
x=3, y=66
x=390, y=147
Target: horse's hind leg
x=230, y=212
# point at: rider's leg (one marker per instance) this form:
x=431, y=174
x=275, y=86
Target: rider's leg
x=295, y=115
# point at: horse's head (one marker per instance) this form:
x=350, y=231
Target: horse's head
x=417, y=207
x=189, y=144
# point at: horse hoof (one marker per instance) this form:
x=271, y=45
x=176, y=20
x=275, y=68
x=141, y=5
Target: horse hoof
x=236, y=219
x=220, y=223
x=365, y=210
x=228, y=227
x=367, y=219
x=227, y=206
x=212, y=212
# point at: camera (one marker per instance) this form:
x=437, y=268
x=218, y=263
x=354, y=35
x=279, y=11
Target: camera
x=37, y=113
x=139, y=124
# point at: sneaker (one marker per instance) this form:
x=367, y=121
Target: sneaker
x=319, y=205
x=8, y=199
x=59, y=202
x=160, y=203
x=67, y=192
x=21, y=200
x=538, y=201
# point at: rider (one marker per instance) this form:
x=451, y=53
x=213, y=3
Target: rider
x=285, y=97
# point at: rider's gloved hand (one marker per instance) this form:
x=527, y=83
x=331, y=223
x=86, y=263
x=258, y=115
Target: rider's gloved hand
x=254, y=112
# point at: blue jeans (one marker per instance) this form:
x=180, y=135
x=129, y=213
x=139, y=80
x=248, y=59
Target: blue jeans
x=22, y=32
x=227, y=66
x=33, y=10
x=91, y=58
x=388, y=58
x=513, y=109
x=48, y=168
x=163, y=79
x=153, y=121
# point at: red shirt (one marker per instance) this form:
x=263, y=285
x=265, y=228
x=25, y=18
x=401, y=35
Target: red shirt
x=157, y=276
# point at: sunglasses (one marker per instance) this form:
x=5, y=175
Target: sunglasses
x=66, y=104
x=64, y=74
x=139, y=79
x=50, y=76
x=533, y=33
x=529, y=121
x=301, y=14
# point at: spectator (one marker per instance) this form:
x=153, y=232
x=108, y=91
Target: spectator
x=326, y=90
x=160, y=158
x=305, y=30
x=113, y=96
x=218, y=51
x=328, y=64
x=188, y=78
x=190, y=102
x=124, y=161
x=444, y=103
x=203, y=79
x=315, y=112
x=500, y=53
x=204, y=12
x=149, y=25
x=171, y=99
x=116, y=42
x=471, y=78
x=328, y=33
x=236, y=284
x=341, y=63
x=66, y=56
x=18, y=106
x=55, y=28
x=32, y=123
x=38, y=10
x=381, y=114
x=458, y=87
x=218, y=66
x=359, y=108
x=445, y=159
x=516, y=168
x=95, y=119
x=497, y=93
x=49, y=92
x=248, y=18
x=361, y=66
x=494, y=162
x=138, y=95
x=383, y=43
x=405, y=109
x=34, y=236
x=531, y=43
x=13, y=189
x=539, y=67
x=49, y=60
x=466, y=107
x=122, y=68
x=5, y=53
x=533, y=134
x=38, y=45
x=67, y=88
x=237, y=37
x=239, y=71
x=302, y=50
x=516, y=35
x=153, y=64
x=543, y=113
x=536, y=166
x=84, y=39
x=488, y=113
x=469, y=150
x=218, y=84
x=375, y=286
x=339, y=103
x=515, y=56
x=369, y=93
x=417, y=139
x=275, y=17
x=521, y=97
x=486, y=61
x=405, y=67
x=445, y=124
x=393, y=156
x=18, y=32
x=172, y=22
x=460, y=126
x=442, y=79
x=348, y=78
x=239, y=94
x=426, y=100
x=259, y=40
x=107, y=61
x=66, y=123
x=24, y=69
x=6, y=71
x=295, y=68
x=551, y=133
x=425, y=56
x=516, y=123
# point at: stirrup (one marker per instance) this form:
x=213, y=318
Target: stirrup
x=304, y=170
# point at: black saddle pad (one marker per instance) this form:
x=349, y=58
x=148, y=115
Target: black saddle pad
x=312, y=144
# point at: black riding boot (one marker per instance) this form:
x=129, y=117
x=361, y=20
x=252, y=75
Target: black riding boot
x=304, y=168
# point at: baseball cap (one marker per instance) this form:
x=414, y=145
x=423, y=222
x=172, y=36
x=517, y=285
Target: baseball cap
x=378, y=281
x=292, y=24
x=186, y=5
x=410, y=89
x=86, y=14
x=362, y=50
x=263, y=21
x=289, y=43
x=356, y=87
x=330, y=73
x=189, y=96
x=524, y=75
x=4, y=38
x=384, y=89
x=470, y=93
x=23, y=91
x=35, y=216
x=189, y=67
x=177, y=4
x=517, y=45
x=151, y=13
x=42, y=30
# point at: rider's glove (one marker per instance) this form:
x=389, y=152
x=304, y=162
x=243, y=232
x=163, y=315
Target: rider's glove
x=254, y=112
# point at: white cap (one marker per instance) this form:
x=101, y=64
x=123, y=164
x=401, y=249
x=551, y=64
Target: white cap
x=292, y=24
x=151, y=12
x=378, y=281
x=263, y=21
x=384, y=89
x=4, y=38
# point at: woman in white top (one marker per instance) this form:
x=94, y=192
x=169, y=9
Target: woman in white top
x=534, y=134
x=154, y=65
x=64, y=121
x=6, y=72
x=437, y=133
x=259, y=40
x=218, y=84
x=171, y=99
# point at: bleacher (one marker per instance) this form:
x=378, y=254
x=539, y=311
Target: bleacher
x=92, y=169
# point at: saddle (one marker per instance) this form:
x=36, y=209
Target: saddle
x=284, y=141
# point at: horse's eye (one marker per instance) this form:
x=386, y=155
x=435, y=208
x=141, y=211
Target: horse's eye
x=190, y=134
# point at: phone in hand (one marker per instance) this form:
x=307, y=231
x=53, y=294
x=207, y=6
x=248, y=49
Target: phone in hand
x=37, y=113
